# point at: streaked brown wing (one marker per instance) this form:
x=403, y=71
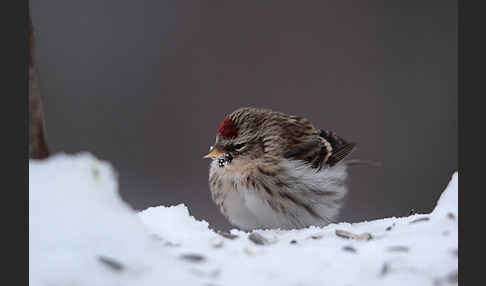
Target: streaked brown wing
x=340, y=147
x=313, y=150
x=309, y=151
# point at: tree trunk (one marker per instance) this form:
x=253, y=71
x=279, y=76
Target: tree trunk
x=38, y=148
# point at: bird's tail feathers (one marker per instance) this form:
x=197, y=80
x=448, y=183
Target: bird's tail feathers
x=360, y=162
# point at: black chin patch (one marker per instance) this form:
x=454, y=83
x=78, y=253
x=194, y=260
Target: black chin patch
x=225, y=160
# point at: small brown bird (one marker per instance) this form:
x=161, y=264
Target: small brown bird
x=272, y=170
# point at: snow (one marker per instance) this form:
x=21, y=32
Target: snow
x=82, y=233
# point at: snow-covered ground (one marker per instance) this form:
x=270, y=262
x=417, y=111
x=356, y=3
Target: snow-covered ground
x=82, y=233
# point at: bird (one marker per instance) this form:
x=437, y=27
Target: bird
x=270, y=170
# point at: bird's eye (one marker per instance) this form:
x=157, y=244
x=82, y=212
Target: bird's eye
x=239, y=147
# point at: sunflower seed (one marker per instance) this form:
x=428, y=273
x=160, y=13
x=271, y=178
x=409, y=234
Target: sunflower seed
x=111, y=263
x=385, y=269
x=398, y=248
x=227, y=235
x=390, y=227
x=349, y=235
x=193, y=257
x=258, y=238
x=420, y=219
x=349, y=249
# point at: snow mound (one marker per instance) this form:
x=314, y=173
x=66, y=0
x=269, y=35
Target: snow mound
x=176, y=226
x=448, y=199
x=82, y=233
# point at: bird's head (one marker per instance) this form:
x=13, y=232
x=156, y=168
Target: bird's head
x=237, y=138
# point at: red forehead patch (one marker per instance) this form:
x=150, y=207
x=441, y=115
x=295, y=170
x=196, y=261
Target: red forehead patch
x=227, y=129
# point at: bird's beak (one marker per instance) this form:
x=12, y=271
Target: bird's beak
x=214, y=153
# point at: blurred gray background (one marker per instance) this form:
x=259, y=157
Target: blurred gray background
x=145, y=85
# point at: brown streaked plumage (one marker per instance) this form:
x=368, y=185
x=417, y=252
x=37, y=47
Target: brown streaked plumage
x=272, y=170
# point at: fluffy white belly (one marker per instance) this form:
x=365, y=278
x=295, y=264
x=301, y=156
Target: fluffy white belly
x=250, y=208
x=238, y=212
